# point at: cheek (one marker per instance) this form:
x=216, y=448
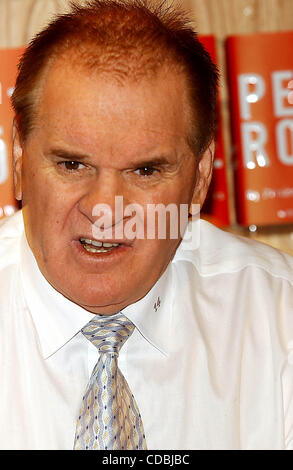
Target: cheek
x=173, y=192
x=48, y=214
x=155, y=257
x=52, y=195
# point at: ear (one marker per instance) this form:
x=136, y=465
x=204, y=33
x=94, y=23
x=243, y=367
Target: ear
x=17, y=151
x=204, y=175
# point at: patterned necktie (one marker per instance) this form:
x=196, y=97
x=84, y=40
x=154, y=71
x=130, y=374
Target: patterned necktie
x=109, y=417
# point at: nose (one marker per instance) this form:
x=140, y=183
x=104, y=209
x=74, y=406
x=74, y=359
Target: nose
x=104, y=199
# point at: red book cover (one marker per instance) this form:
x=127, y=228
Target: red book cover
x=216, y=206
x=260, y=68
x=8, y=69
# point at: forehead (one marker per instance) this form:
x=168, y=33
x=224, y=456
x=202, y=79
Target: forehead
x=81, y=104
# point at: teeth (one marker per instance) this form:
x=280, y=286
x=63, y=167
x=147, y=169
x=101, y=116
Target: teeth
x=96, y=250
x=91, y=242
x=98, y=244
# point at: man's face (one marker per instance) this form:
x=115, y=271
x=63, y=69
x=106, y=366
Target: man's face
x=94, y=140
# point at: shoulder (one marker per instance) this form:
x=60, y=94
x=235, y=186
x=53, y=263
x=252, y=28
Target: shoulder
x=221, y=252
x=11, y=230
x=237, y=282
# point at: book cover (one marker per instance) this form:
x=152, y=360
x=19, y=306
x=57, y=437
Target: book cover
x=8, y=69
x=260, y=68
x=216, y=206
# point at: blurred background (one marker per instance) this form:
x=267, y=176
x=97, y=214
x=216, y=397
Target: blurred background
x=252, y=191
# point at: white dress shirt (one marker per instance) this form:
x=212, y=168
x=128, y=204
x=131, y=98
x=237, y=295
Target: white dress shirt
x=210, y=364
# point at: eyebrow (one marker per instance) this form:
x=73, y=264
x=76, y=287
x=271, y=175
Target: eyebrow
x=67, y=155
x=157, y=161
x=76, y=156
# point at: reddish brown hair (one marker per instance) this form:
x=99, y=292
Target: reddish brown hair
x=128, y=39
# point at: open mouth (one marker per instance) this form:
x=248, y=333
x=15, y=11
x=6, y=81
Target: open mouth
x=93, y=246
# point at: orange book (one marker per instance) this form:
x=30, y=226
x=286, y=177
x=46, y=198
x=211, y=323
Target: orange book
x=8, y=68
x=216, y=206
x=260, y=68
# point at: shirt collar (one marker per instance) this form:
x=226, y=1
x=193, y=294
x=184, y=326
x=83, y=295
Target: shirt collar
x=152, y=315
x=56, y=318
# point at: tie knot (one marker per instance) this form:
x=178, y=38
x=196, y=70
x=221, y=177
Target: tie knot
x=108, y=334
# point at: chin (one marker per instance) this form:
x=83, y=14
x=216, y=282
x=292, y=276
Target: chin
x=98, y=302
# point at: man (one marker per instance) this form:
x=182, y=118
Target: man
x=117, y=99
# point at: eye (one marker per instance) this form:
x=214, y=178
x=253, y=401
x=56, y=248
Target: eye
x=71, y=165
x=145, y=171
